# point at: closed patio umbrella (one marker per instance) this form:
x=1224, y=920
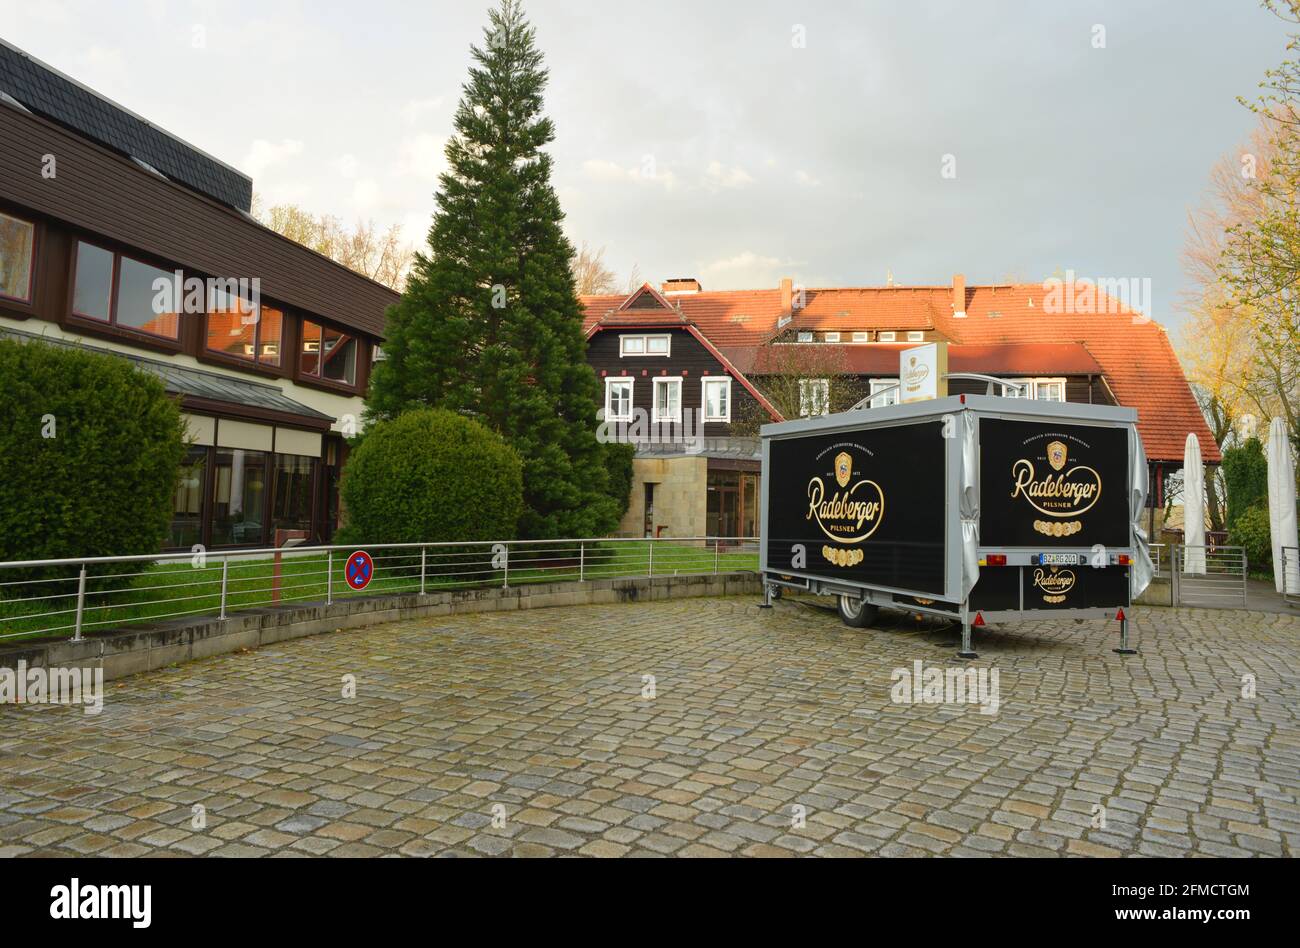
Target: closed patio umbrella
x=1193, y=508
x=1281, y=509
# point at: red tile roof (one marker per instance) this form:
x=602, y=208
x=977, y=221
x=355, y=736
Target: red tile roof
x=1132, y=351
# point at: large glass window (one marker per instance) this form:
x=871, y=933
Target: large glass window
x=17, y=243
x=137, y=305
x=187, y=507
x=239, y=497
x=327, y=354
x=618, y=399
x=717, y=399
x=291, y=497
x=238, y=328
x=93, y=287
x=668, y=400
x=889, y=398
x=814, y=397
x=138, y=297
x=338, y=356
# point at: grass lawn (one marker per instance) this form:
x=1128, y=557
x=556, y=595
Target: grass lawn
x=170, y=590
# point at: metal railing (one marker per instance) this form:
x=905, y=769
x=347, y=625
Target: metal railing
x=1291, y=575
x=1209, y=576
x=51, y=597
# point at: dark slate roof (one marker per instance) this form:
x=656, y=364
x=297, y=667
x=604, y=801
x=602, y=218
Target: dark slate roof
x=196, y=383
x=47, y=92
x=735, y=449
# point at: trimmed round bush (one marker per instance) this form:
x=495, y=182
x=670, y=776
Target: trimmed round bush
x=90, y=452
x=431, y=476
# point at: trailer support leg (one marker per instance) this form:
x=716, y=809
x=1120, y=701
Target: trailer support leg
x=1123, y=639
x=767, y=596
x=966, y=650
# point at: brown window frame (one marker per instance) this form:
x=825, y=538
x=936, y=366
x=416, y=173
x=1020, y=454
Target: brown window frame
x=318, y=378
x=255, y=360
x=30, y=300
x=114, y=287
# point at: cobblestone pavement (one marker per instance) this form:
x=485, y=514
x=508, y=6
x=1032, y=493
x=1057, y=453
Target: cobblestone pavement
x=530, y=734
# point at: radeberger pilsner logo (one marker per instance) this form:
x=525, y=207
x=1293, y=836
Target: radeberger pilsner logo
x=846, y=509
x=1054, y=583
x=1064, y=491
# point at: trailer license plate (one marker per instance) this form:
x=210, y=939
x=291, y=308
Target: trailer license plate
x=1058, y=559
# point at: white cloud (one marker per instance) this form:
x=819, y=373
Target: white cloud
x=647, y=172
x=718, y=175
x=422, y=156
x=365, y=194
x=415, y=109
x=263, y=155
x=807, y=180
x=346, y=165
x=745, y=270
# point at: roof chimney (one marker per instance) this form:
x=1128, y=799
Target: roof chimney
x=787, y=294
x=959, y=296
x=681, y=285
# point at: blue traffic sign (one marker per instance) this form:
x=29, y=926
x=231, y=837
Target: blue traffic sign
x=360, y=570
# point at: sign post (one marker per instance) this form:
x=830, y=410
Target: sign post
x=922, y=372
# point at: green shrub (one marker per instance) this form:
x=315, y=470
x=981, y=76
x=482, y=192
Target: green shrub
x=1245, y=472
x=618, y=459
x=431, y=476
x=1251, y=531
x=90, y=452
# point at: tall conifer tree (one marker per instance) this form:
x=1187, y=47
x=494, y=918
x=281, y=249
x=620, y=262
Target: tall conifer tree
x=490, y=323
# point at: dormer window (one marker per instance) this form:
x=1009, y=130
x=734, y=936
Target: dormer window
x=805, y=335
x=889, y=336
x=644, y=345
x=862, y=337
x=832, y=337
x=916, y=336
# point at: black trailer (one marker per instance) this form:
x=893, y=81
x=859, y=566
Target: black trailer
x=975, y=507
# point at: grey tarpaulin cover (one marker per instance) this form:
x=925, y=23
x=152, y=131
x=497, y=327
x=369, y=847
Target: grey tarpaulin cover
x=1140, y=577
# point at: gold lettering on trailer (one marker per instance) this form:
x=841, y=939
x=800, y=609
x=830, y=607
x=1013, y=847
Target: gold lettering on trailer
x=1060, y=495
x=843, y=515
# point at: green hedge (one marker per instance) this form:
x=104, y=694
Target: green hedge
x=1251, y=531
x=90, y=452
x=431, y=476
x=1245, y=474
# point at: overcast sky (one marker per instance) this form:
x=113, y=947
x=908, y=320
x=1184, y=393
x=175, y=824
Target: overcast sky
x=732, y=140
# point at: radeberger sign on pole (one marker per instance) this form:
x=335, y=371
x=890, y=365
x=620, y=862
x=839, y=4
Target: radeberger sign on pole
x=922, y=372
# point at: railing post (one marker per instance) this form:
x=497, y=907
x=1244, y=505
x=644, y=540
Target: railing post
x=225, y=580
x=424, y=554
x=329, y=577
x=505, y=572
x=81, y=603
x=581, y=560
x=652, y=558
x=717, y=555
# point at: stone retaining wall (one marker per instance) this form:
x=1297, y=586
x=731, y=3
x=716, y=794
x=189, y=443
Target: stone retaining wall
x=145, y=648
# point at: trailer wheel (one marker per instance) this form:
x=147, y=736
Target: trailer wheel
x=856, y=613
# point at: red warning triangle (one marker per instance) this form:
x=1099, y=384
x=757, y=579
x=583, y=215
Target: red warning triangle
x=1119, y=616
x=979, y=619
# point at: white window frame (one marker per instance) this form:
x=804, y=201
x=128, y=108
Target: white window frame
x=645, y=346
x=805, y=335
x=610, y=381
x=1031, y=387
x=832, y=337
x=673, y=380
x=916, y=336
x=883, y=400
x=861, y=336
x=705, y=382
x=806, y=398
x=887, y=336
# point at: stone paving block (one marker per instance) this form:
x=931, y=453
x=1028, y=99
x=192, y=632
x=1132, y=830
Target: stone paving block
x=547, y=721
